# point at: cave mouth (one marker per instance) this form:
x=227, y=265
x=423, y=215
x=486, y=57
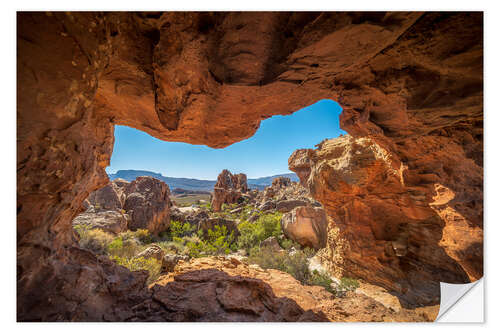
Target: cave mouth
x=264, y=154
x=178, y=200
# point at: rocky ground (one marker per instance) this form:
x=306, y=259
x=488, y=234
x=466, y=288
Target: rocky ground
x=230, y=285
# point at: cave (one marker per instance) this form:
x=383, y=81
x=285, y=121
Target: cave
x=410, y=85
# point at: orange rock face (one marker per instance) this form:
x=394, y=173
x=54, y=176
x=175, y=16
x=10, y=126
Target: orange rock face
x=411, y=82
x=228, y=189
x=397, y=229
x=239, y=292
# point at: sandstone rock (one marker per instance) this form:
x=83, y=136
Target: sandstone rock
x=148, y=204
x=412, y=82
x=272, y=243
x=228, y=189
x=106, y=198
x=170, y=261
x=307, y=226
x=281, y=182
x=153, y=251
x=110, y=221
x=211, y=289
x=287, y=205
x=387, y=215
x=268, y=205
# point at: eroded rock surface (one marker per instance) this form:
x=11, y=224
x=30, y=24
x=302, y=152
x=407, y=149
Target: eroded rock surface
x=412, y=82
x=148, y=204
x=307, y=226
x=226, y=289
x=121, y=205
x=229, y=189
x=387, y=215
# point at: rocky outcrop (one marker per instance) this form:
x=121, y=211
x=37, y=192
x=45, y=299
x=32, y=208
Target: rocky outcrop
x=220, y=289
x=107, y=198
x=153, y=251
x=229, y=189
x=412, y=82
x=271, y=243
x=286, y=206
x=110, y=221
x=121, y=205
x=387, y=213
x=306, y=226
x=148, y=204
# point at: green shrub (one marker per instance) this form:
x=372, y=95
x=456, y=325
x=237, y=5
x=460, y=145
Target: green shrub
x=321, y=279
x=179, y=229
x=295, y=264
x=151, y=265
x=95, y=240
x=126, y=248
x=217, y=241
x=348, y=284
x=142, y=235
x=251, y=234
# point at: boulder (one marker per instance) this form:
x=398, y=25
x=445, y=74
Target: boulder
x=109, y=221
x=153, y=251
x=306, y=226
x=229, y=189
x=267, y=205
x=272, y=243
x=170, y=261
x=106, y=198
x=287, y=205
x=148, y=204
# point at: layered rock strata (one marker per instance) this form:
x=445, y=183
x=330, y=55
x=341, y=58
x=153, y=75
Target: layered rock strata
x=388, y=216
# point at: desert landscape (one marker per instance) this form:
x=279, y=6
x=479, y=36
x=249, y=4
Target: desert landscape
x=364, y=228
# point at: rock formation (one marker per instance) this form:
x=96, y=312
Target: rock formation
x=389, y=217
x=109, y=220
x=142, y=204
x=228, y=189
x=220, y=289
x=307, y=226
x=411, y=82
x=148, y=204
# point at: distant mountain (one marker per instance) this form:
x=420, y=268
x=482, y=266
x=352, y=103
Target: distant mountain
x=195, y=184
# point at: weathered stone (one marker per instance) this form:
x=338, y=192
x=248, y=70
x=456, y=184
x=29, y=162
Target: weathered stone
x=307, y=226
x=229, y=189
x=287, y=205
x=110, y=221
x=148, y=204
x=272, y=243
x=389, y=215
x=153, y=251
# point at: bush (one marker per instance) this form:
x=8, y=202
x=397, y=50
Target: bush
x=321, y=279
x=295, y=264
x=179, y=229
x=346, y=284
x=151, y=265
x=94, y=240
x=141, y=235
x=124, y=247
x=216, y=242
x=251, y=234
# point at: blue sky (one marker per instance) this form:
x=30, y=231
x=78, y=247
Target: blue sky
x=264, y=154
